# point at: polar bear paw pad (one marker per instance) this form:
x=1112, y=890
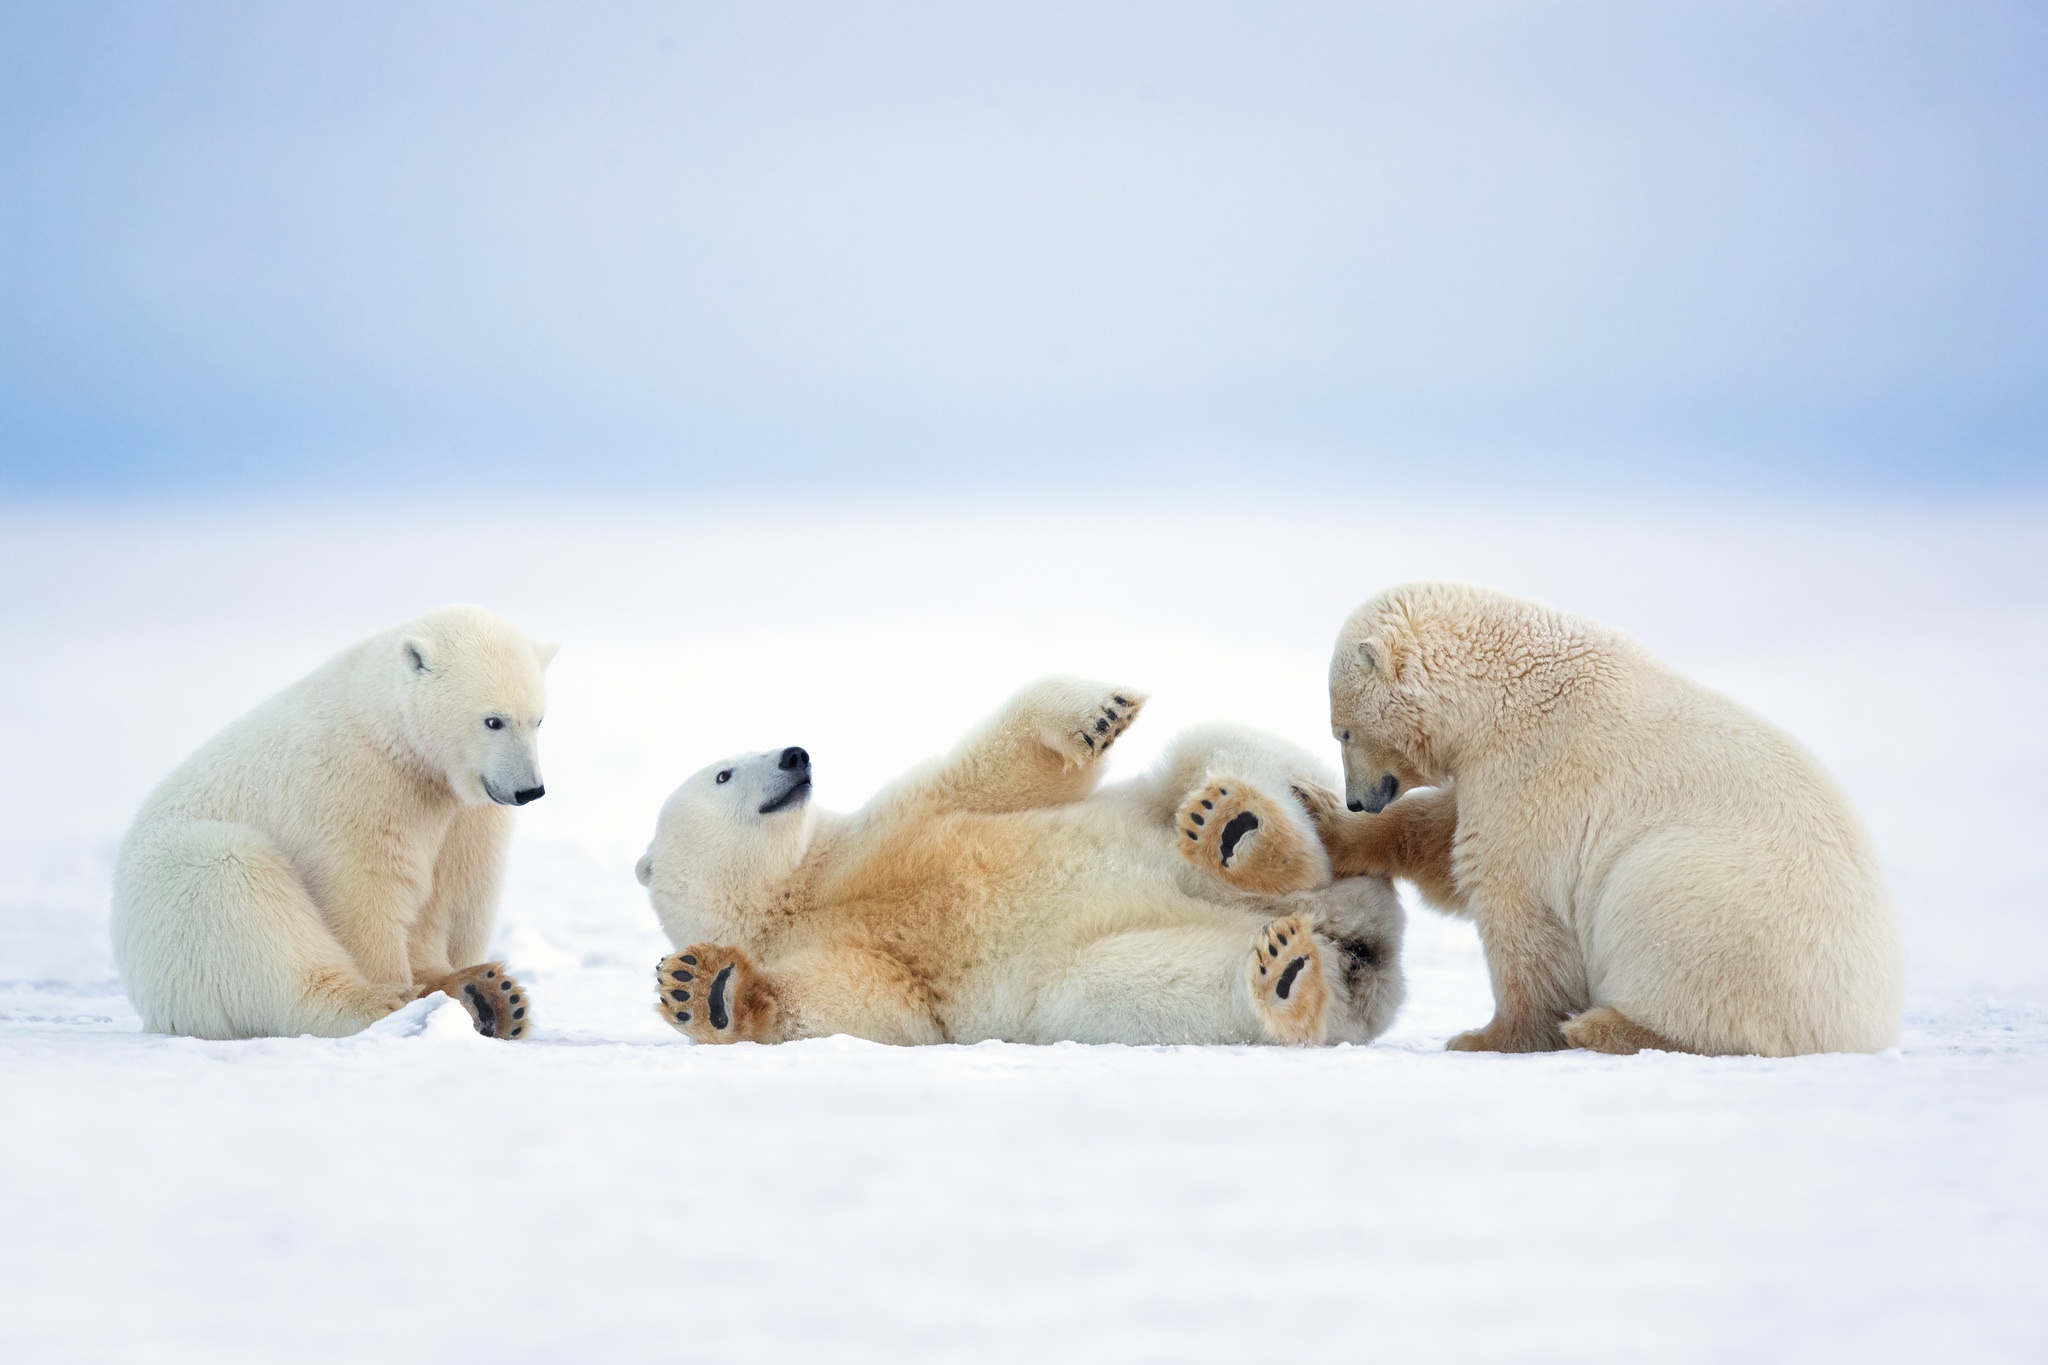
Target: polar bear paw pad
x=1286, y=971
x=1236, y=832
x=1102, y=723
x=709, y=993
x=498, y=1005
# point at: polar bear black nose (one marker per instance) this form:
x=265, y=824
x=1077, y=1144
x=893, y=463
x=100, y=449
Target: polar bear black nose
x=793, y=757
x=526, y=794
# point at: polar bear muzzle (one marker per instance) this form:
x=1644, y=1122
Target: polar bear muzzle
x=797, y=763
x=1377, y=796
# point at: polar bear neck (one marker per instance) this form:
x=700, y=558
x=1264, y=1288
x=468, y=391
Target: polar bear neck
x=745, y=898
x=375, y=711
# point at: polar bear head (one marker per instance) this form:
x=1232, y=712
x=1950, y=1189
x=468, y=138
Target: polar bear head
x=727, y=840
x=470, y=701
x=1428, y=675
x=1404, y=667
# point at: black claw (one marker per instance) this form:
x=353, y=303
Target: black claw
x=1110, y=711
x=1121, y=701
x=1088, y=740
x=1100, y=726
x=1191, y=834
x=689, y=958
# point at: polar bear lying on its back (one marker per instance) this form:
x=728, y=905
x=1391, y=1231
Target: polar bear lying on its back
x=991, y=895
x=336, y=852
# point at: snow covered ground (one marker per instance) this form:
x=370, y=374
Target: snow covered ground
x=608, y=1191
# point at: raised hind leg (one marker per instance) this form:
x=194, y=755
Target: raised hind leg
x=1249, y=839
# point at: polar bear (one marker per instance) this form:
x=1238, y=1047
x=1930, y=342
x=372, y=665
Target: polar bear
x=998, y=894
x=1649, y=864
x=336, y=852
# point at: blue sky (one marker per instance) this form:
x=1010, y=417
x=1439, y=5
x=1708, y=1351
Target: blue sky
x=260, y=248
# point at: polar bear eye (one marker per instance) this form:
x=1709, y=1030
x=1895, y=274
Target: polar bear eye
x=1346, y=737
x=725, y=776
x=494, y=722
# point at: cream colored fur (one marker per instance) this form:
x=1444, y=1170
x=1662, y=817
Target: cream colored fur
x=997, y=893
x=337, y=851
x=1649, y=864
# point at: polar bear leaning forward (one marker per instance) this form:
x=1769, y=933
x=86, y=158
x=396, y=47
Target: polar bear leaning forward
x=337, y=852
x=1650, y=865
x=997, y=894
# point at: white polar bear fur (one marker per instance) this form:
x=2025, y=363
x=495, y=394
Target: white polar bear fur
x=982, y=897
x=314, y=863
x=1627, y=840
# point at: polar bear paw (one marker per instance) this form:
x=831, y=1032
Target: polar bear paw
x=1288, y=990
x=496, y=1002
x=1237, y=833
x=712, y=994
x=1084, y=734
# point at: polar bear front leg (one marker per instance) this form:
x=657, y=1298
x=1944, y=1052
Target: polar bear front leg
x=722, y=997
x=716, y=995
x=1288, y=990
x=1539, y=979
x=1412, y=839
x=1040, y=749
x=1250, y=840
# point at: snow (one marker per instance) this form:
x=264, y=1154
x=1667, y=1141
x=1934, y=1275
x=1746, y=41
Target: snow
x=608, y=1190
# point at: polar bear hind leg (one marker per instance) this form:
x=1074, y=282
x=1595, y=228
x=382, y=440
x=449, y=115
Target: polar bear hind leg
x=1192, y=982
x=1252, y=841
x=1288, y=988
x=1605, y=1029
x=497, y=1003
x=217, y=938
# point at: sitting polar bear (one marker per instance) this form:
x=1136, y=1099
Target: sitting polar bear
x=998, y=894
x=336, y=852
x=1650, y=865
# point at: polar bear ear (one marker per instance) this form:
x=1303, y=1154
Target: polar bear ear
x=643, y=870
x=545, y=653
x=1386, y=656
x=415, y=654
